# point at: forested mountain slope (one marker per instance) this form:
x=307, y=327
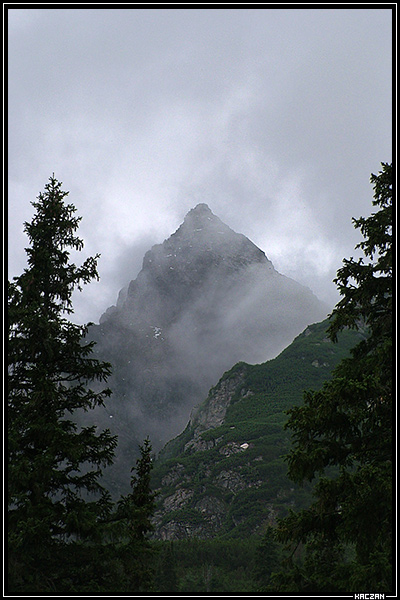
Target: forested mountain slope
x=225, y=475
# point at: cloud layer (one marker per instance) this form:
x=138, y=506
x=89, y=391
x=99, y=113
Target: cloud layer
x=273, y=117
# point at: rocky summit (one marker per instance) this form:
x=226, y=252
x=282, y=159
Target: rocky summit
x=205, y=299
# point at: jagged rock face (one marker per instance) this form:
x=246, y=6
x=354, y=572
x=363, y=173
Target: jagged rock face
x=203, y=254
x=212, y=413
x=206, y=298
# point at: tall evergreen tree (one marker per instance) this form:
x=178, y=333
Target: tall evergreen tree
x=137, y=508
x=54, y=466
x=134, y=511
x=343, y=433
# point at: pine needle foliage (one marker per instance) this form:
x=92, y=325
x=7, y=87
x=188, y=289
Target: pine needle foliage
x=342, y=434
x=54, y=466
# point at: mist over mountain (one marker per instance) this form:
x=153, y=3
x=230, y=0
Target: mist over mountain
x=205, y=299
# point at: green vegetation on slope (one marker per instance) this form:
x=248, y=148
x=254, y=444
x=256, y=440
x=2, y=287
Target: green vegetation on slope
x=231, y=480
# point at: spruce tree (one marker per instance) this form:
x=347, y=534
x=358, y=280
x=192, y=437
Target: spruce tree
x=54, y=466
x=134, y=513
x=342, y=435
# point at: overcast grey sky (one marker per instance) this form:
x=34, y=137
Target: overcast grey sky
x=273, y=117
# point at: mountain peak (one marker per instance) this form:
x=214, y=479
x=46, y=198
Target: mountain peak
x=203, y=240
x=201, y=209
x=201, y=217
x=205, y=299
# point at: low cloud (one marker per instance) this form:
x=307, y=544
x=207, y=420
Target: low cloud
x=273, y=117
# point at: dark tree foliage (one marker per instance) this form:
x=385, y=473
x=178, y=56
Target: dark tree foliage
x=342, y=435
x=139, y=505
x=54, y=466
x=166, y=578
x=133, y=520
x=266, y=560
